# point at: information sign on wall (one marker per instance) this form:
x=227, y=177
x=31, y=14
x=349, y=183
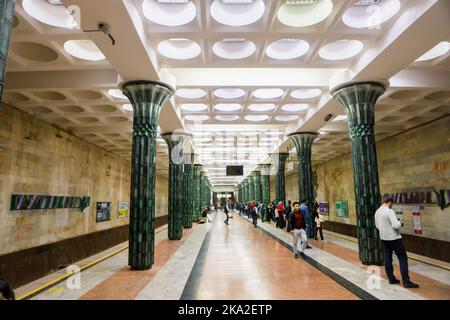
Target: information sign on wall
x=122, y=211
x=342, y=208
x=103, y=211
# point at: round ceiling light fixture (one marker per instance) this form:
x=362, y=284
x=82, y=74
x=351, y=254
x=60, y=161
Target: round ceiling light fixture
x=193, y=117
x=237, y=13
x=117, y=93
x=227, y=107
x=341, y=49
x=51, y=14
x=287, y=49
x=286, y=118
x=306, y=93
x=295, y=107
x=268, y=93
x=84, y=50
x=127, y=107
x=256, y=118
x=191, y=93
x=169, y=14
x=370, y=15
x=226, y=117
x=261, y=107
x=232, y=93
x=233, y=49
x=194, y=107
x=179, y=49
x=437, y=51
x=304, y=15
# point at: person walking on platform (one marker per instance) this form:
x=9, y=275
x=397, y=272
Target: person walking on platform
x=6, y=292
x=287, y=213
x=318, y=220
x=226, y=210
x=307, y=216
x=389, y=227
x=254, y=214
x=298, y=230
x=279, y=215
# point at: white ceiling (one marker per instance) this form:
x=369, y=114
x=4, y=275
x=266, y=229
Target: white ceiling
x=45, y=80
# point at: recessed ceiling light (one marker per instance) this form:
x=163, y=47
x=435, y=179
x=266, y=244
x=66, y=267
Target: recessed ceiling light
x=117, y=93
x=169, y=14
x=194, y=107
x=232, y=93
x=297, y=107
x=84, y=50
x=439, y=50
x=180, y=49
x=370, y=15
x=228, y=107
x=306, y=93
x=286, y=49
x=260, y=107
x=286, y=118
x=193, y=117
x=226, y=117
x=341, y=49
x=256, y=118
x=234, y=48
x=340, y=118
x=267, y=93
x=127, y=107
x=52, y=14
x=303, y=15
x=237, y=13
x=191, y=93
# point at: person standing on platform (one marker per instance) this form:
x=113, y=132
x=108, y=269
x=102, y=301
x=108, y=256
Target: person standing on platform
x=6, y=292
x=226, y=210
x=254, y=214
x=319, y=221
x=307, y=216
x=298, y=230
x=287, y=213
x=389, y=227
x=279, y=215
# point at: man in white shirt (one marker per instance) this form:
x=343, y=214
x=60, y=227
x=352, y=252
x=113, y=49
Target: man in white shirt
x=389, y=227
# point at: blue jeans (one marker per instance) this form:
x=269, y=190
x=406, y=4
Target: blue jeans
x=399, y=249
x=308, y=228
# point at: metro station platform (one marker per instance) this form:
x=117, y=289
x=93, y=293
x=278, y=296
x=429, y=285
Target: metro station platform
x=215, y=261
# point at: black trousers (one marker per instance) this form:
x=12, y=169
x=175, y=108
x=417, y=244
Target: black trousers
x=320, y=232
x=400, y=251
x=228, y=218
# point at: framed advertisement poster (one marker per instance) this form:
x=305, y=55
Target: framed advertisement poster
x=342, y=209
x=122, y=211
x=324, y=208
x=103, y=211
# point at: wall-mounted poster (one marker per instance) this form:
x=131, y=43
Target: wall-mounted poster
x=39, y=202
x=342, y=209
x=103, y=211
x=324, y=208
x=122, y=211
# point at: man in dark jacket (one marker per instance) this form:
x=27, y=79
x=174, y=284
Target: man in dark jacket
x=287, y=214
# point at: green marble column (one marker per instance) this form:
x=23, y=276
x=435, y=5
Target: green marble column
x=196, y=190
x=280, y=188
x=188, y=194
x=244, y=190
x=265, y=183
x=257, y=185
x=147, y=99
x=6, y=22
x=251, y=187
x=358, y=100
x=303, y=142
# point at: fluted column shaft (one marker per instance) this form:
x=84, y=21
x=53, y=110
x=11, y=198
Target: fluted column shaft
x=265, y=183
x=280, y=188
x=6, y=22
x=147, y=99
x=188, y=193
x=196, y=190
x=358, y=100
x=251, y=188
x=257, y=185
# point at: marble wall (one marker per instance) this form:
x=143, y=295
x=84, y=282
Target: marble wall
x=416, y=160
x=38, y=158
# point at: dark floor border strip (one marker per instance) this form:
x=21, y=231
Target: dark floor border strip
x=82, y=269
x=192, y=284
x=357, y=291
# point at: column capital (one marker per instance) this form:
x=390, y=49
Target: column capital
x=368, y=84
x=281, y=156
x=303, y=141
x=265, y=169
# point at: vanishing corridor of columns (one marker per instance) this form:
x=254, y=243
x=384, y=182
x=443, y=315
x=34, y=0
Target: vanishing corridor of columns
x=147, y=99
x=358, y=100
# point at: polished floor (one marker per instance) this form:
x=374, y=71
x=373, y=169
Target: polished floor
x=233, y=262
